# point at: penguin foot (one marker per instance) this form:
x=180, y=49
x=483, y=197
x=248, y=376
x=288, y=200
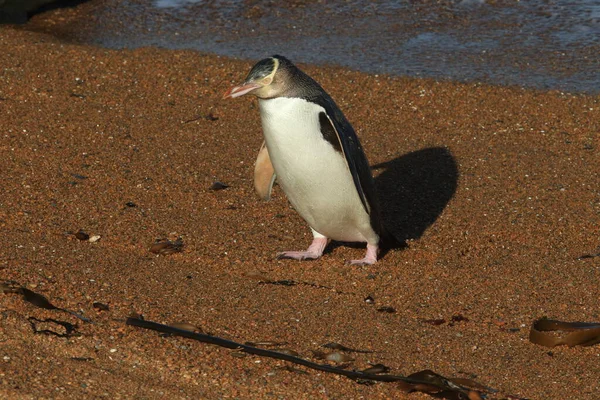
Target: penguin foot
x=314, y=251
x=369, y=259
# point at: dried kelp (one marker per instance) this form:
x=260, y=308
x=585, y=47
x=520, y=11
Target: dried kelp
x=281, y=282
x=550, y=333
x=49, y=327
x=265, y=343
x=440, y=321
x=377, y=369
x=341, y=347
x=36, y=299
x=424, y=381
x=590, y=255
x=445, y=388
x=165, y=247
x=434, y=321
x=187, y=327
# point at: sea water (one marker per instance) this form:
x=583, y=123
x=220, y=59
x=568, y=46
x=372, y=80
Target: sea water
x=545, y=44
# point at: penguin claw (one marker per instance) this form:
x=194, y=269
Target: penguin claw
x=314, y=251
x=369, y=259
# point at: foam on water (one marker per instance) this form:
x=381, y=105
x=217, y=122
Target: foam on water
x=174, y=3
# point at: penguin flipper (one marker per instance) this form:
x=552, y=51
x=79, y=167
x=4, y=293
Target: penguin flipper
x=357, y=163
x=264, y=174
x=355, y=160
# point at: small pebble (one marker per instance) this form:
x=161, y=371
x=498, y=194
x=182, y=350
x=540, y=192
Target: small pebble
x=100, y=306
x=434, y=322
x=459, y=318
x=81, y=235
x=218, y=186
x=288, y=352
x=211, y=117
x=338, y=357
x=377, y=369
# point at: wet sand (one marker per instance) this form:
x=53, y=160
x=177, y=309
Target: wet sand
x=495, y=190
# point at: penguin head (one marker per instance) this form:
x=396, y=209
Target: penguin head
x=265, y=80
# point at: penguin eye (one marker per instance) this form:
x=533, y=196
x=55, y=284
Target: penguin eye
x=267, y=80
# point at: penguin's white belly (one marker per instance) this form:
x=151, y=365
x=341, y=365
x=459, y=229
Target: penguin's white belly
x=314, y=176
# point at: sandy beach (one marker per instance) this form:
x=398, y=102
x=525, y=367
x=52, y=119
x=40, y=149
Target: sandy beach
x=495, y=190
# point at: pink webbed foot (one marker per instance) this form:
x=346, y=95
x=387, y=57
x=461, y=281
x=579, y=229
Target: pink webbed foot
x=314, y=251
x=369, y=259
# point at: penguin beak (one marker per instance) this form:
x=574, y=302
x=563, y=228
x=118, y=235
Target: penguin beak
x=241, y=90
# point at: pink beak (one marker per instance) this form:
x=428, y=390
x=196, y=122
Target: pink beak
x=237, y=91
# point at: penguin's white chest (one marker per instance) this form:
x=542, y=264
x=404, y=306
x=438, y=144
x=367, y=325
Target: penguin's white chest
x=314, y=176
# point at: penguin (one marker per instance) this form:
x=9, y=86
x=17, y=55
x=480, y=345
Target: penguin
x=315, y=155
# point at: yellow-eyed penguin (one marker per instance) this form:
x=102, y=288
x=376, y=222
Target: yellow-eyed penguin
x=313, y=151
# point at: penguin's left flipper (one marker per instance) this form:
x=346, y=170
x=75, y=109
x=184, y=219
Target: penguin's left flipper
x=357, y=162
x=264, y=174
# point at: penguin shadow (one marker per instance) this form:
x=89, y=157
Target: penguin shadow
x=414, y=189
